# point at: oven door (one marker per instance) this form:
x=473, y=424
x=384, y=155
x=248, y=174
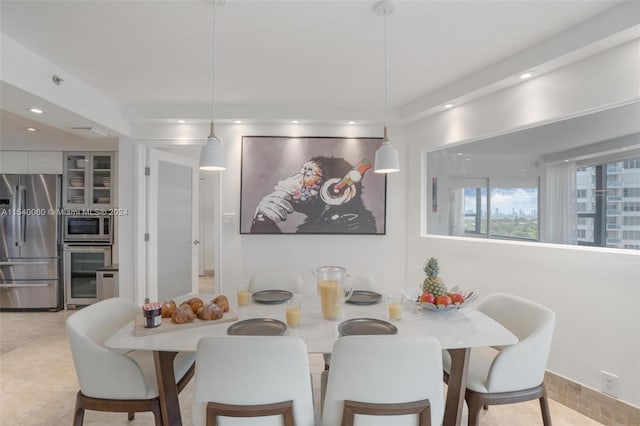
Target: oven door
x=80, y=273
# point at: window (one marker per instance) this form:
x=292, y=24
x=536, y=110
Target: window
x=513, y=213
x=628, y=206
x=631, y=221
x=631, y=192
x=582, y=193
x=609, y=220
x=475, y=208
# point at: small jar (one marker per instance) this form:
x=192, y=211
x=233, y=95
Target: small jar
x=151, y=312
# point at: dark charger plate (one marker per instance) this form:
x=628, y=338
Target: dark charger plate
x=364, y=297
x=366, y=326
x=272, y=297
x=257, y=327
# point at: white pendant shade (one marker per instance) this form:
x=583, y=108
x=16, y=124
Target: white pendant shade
x=212, y=155
x=386, y=159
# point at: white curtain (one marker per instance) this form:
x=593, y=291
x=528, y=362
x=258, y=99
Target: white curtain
x=558, y=225
x=456, y=211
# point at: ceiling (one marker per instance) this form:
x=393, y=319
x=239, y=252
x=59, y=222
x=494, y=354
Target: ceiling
x=154, y=58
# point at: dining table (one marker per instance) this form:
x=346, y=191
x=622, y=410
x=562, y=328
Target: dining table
x=458, y=330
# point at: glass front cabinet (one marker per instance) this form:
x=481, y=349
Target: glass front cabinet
x=89, y=179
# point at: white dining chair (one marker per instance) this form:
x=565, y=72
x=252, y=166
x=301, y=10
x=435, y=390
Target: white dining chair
x=385, y=381
x=515, y=373
x=276, y=280
x=263, y=378
x=113, y=380
x=361, y=281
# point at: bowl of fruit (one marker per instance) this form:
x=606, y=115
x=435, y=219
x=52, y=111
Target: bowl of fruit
x=451, y=300
x=435, y=296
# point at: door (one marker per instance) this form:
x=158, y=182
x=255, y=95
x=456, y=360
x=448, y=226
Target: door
x=172, y=223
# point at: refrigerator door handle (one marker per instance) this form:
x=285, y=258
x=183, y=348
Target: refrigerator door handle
x=10, y=263
x=11, y=285
x=23, y=217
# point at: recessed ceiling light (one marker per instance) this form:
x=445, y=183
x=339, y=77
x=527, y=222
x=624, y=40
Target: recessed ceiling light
x=31, y=129
x=36, y=110
x=459, y=153
x=526, y=75
x=352, y=122
x=467, y=159
x=448, y=106
x=523, y=170
x=237, y=121
x=295, y=121
x=182, y=121
x=566, y=161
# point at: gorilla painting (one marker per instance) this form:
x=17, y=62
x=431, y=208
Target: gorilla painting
x=323, y=193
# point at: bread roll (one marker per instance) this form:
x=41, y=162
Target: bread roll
x=168, y=308
x=195, y=303
x=222, y=302
x=209, y=312
x=183, y=314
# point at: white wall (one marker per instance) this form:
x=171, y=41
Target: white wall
x=240, y=255
x=594, y=292
x=126, y=241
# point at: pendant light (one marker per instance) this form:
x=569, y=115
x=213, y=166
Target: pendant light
x=386, y=160
x=212, y=153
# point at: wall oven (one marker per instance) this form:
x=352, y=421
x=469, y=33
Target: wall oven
x=81, y=264
x=88, y=229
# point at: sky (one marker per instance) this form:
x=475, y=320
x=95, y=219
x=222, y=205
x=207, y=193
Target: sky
x=507, y=199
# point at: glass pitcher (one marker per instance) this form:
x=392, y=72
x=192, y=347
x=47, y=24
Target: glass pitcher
x=331, y=288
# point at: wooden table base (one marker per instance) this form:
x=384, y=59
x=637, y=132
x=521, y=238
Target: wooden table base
x=457, y=386
x=167, y=388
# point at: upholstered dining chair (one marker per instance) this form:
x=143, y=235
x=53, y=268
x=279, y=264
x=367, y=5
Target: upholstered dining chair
x=263, y=378
x=276, y=280
x=356, y=281
x=113, y=380
x=515, y=373
x=385, y=380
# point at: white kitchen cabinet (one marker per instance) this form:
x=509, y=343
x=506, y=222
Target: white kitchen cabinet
x=45, y=162
x=14, y=162
x=22, y=162
x=89, y=179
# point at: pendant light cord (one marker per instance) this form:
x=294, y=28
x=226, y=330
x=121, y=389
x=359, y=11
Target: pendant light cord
x=385, y=73
x=213, y=69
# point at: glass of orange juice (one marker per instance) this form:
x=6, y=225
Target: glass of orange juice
x=293, y=311
x=394, y=307
x=243, y=295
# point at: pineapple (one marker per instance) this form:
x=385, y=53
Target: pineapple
x=433, y=283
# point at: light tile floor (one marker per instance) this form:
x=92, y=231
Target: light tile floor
x=38, y=382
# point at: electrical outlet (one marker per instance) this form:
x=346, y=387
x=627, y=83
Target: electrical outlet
x=609, y=383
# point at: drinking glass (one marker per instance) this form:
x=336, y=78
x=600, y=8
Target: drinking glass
x=293, y=311
x=394, y=306
x=332, y=291
x=242, y=294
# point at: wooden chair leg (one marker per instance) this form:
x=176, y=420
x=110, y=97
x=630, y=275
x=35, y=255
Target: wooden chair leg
x=131, y=416
x=78, y=416
x=544, y=407
x=157, y=412
x=475, y=403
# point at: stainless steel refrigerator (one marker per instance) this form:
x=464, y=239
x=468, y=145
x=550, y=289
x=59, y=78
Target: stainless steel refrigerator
x=30, y=242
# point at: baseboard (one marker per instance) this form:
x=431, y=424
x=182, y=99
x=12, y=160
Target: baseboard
x=591, y=403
